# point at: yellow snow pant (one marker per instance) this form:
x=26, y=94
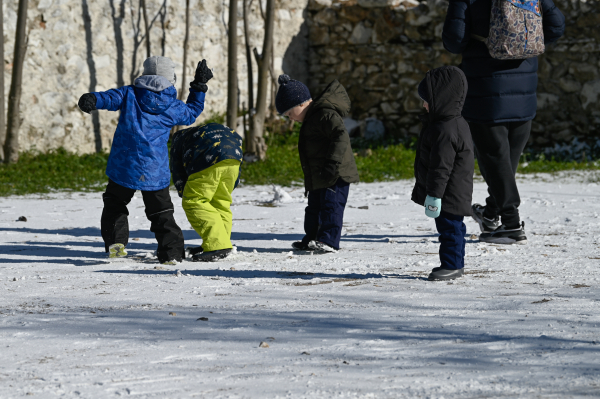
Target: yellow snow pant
x=207, y=201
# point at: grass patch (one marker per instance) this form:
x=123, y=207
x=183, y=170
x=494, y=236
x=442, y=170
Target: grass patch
x=60, y=170
x=552, y=166
x=282, y=166
x=57, y=170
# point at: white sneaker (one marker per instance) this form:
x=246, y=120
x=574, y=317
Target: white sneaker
x=320, y=246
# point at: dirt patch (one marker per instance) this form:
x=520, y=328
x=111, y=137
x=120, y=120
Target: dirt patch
x=542, y=301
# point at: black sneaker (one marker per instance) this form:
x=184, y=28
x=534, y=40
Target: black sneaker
x=439, y=274
x=300, y=246
x=486, y=225
x=212, y=256
x=502, y=235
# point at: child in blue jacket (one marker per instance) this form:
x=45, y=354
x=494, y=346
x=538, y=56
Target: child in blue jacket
x=139, y=156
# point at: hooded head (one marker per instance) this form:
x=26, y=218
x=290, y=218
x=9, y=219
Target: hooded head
x=445, y=90
x=422, y=90
x=291, y=93
x=334, y=97
x=155, y=89
x=161, y=66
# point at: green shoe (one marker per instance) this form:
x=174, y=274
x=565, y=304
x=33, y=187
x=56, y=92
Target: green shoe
x=170, y=263
x=117, y=251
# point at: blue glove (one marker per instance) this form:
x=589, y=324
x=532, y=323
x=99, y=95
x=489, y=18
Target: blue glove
x=433, y=206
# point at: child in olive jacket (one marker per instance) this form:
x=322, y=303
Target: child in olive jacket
x=325, y=155
x=205, y=164
x=444, y=165
x=139, y=158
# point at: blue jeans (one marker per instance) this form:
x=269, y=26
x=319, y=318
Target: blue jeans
x=324, y=215
x=452, y=240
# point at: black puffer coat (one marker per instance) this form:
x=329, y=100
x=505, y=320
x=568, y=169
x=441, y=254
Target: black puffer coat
x=499, y=90
x=323, y=137
x=444, y=162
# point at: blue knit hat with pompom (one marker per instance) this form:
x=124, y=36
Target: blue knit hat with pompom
x=291, y=93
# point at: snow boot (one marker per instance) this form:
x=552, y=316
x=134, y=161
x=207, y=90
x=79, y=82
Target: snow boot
x=300, y=246
x=320, y=246
x=486, y=225
x=212, y=256
x=439, y=274
x=502, y=235
x=117, y=251
x=191, y=251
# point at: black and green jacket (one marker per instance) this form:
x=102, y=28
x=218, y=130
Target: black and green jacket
x=323, y=138
x=199, y=148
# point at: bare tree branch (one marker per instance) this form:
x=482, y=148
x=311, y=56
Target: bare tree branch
x=232, y=78
x=248, y=132
x=185, y=48
x=257, y=147
x=145, y=12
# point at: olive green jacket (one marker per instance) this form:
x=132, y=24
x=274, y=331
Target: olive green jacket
x=323, y=138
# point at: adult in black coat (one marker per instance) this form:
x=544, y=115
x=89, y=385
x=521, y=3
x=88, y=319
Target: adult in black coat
x=500, y=105
x=444, y=165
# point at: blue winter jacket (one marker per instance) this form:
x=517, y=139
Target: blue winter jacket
x=499, y=90
x=139, y=157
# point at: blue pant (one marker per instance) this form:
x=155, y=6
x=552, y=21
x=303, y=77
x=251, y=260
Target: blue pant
x=452, y=240
x=324, y=214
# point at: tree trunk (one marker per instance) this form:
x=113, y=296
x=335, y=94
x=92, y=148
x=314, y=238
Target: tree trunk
x=232, y=81
x=248, y=131
x=185, y=48
x=274, y=87
x=2, y=119
x=257, y=146
x=145, y=12
x=11, y=146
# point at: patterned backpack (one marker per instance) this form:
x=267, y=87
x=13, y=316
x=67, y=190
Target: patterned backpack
x=516, y=30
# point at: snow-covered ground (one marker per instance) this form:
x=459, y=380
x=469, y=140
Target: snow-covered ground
x=362, y=323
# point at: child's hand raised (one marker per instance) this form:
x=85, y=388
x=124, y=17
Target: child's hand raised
x=202, y=76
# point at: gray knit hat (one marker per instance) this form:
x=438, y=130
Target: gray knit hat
x=162, y=66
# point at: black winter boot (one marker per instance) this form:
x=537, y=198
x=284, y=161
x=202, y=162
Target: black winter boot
x=439, y=274
x=300, y=246
x=191, y=251
x=212, y=256
x=502, y=235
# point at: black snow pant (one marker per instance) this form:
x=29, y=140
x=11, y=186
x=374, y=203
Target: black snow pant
x=324, y=215
x=498, y=148
x=159, y=210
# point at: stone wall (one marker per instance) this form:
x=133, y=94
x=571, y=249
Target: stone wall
x=380, y=52
x=77, y=46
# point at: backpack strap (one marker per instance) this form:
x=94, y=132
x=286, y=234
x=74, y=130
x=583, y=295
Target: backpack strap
x=478, y=38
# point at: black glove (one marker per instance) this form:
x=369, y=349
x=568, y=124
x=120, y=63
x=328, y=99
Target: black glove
x=87, y=103
x=202, y=76
x=329, y=170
